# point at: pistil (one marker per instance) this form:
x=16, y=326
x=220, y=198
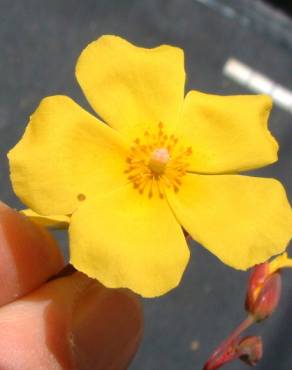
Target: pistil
x=158, y=160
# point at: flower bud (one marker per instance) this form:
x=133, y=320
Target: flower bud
x=228, y=350
x=256, y=281
x=267, y=298
x=250, y=350
x=224, y=354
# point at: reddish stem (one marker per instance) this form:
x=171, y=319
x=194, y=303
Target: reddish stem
x=226, y=349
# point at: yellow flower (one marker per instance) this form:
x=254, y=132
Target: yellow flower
x=165, y=162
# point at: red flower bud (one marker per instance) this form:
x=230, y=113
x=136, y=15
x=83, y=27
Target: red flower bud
x=229, y=350
x=256, y=281
x=224, y=354
x=250, y=350
x=267, y=298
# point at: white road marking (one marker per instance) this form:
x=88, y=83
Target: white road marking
x=257, y=82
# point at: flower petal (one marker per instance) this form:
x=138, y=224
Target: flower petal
x=65, y=156
x=52, y=222
x=280, y=262
x=227, y=133
x=132, y=88
x=129, y=240
x=242, y=220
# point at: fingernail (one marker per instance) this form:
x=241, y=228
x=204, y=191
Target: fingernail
x=106, y=330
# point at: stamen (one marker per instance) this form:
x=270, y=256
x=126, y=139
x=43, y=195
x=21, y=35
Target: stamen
x=157, y=161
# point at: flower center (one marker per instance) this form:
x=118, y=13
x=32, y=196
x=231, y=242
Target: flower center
x=157, y=160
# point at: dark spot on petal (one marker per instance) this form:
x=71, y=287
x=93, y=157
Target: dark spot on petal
x=81, y=197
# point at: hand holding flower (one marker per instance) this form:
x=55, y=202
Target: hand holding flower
x=53, y=320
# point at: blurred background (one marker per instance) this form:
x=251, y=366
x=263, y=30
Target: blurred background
x=40, y=42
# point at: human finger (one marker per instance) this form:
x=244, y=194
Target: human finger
x=28, y=255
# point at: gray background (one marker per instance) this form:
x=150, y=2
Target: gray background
x=39, y=44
